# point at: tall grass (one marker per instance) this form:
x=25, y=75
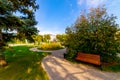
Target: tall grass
x=50, y=46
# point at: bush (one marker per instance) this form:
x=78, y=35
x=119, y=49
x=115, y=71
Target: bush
x=50, y=46
x=71, y=54
x=16, y=41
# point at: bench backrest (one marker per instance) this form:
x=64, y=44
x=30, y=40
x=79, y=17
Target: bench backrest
x=90, y=58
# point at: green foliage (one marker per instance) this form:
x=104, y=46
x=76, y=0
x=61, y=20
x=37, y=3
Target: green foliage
x=115, y=67
x=10, y=21
x=46, y=38
x=17, y=41
x=61, y=38
x=71, y=54
x=37, y=39
x=94, y=33
x=50, y=46
x=26, y=33
x=8, y=36
x=23, y=64
x=26, y=30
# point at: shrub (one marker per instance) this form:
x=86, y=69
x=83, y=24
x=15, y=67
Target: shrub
x=16, y=41
x=71, y=54
x=50, y=46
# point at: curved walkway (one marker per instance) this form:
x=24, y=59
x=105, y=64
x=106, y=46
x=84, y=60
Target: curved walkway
x=60, y=69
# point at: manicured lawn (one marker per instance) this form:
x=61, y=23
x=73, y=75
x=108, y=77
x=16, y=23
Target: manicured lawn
x=23, y=65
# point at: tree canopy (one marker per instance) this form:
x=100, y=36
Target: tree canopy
x=46, y=38
x=10, y=21
x=61, y=38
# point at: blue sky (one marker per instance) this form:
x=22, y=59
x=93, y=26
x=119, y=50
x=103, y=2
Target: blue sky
x=54, y=16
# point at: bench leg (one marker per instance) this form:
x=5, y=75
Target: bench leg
x=64, y=55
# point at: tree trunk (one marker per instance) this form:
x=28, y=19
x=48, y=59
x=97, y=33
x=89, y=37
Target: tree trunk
x=2, y=56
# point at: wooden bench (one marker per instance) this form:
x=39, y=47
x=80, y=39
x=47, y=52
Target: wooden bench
x=89, y=58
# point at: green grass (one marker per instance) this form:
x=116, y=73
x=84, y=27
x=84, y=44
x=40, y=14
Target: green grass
x=23, y=65
x=114, y=68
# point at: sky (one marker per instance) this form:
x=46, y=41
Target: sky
x=54, y=16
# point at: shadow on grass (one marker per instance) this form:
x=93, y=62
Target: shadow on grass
x=23, y=65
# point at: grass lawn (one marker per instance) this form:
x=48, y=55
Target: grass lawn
x=23, y=65
x=114, y=68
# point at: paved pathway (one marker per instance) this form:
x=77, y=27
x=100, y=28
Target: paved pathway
x=60, y=69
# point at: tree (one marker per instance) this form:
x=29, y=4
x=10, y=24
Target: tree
x=8, y=18
x=61, y=38
x=8, y=8
x=37, y=39
x=47, y=37
x=94, y=33
x=27, y=32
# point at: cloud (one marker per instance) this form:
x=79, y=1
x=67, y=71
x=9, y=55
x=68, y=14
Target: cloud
x=49, y=32
x=80, y=2
x=91, y=3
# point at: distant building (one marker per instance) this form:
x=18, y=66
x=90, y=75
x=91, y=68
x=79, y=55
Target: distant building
x=52, y=37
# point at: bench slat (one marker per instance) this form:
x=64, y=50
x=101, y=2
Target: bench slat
x=90, y=58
